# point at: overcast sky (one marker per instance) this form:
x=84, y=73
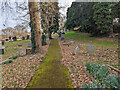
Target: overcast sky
x=7, y=16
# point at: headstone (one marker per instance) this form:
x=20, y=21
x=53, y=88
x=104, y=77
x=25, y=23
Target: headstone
x=90, y=48
x=3, y=43
x=28, y=37
x=62, y=36
x=76, y=50
x=9, y=38
x=2, y=50
x=29, y=45
x=23, y=38
x=22, y=51
x=14, y=39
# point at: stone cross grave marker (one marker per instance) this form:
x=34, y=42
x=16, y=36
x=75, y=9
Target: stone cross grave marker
x=90, y=48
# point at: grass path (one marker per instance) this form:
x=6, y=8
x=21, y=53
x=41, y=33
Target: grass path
x=51, y=73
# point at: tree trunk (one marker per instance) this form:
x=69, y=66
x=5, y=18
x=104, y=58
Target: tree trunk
x=35, y=25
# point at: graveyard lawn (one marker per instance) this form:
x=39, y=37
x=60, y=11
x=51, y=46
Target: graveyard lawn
x=18, y=73
x=105, y=52
x=12, y=48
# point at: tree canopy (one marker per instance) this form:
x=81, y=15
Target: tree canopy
x=92, y=17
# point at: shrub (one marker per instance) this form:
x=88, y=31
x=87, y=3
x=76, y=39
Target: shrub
x=33, y=66
x=10, y=61
x=15, y=56
x=7, y=62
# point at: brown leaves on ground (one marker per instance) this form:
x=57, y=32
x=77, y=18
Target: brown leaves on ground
x=76, y=63
x=18, y=73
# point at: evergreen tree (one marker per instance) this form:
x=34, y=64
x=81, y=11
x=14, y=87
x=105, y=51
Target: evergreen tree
x=102, y=17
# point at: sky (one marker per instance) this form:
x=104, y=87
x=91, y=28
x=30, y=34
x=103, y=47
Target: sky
x=8, y=15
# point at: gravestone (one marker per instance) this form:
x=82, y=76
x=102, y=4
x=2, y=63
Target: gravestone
x=3, y=42
x=90, y=48
x=77, y=50
x=9, y=38
x=14, y=39
x=23, y=38
x=2, y=50
x=22, y=51
x=28, y=50
x=62, y=36
x=28, y=37
x=29, y=45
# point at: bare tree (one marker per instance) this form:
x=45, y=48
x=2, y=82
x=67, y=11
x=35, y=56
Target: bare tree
x=49, y=12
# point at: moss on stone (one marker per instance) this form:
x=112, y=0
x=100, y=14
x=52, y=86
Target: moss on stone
x=51, y=74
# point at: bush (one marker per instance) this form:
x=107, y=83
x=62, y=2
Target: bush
x=15, y=56
x=7, y=62
x=33, y=66
x=10, y=61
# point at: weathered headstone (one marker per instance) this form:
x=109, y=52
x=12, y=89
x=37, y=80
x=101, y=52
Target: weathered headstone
x=90, y=48
x=62, y=36
x=2, y=50
x=9, y=38
x=23, y=38
x=14, y=39
x=3, y=42
x=29, y=45
x=22, y=51
x=77, y=50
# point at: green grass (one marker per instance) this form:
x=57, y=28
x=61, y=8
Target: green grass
x=11, y=48
x=51, y=74
x=89, y=40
